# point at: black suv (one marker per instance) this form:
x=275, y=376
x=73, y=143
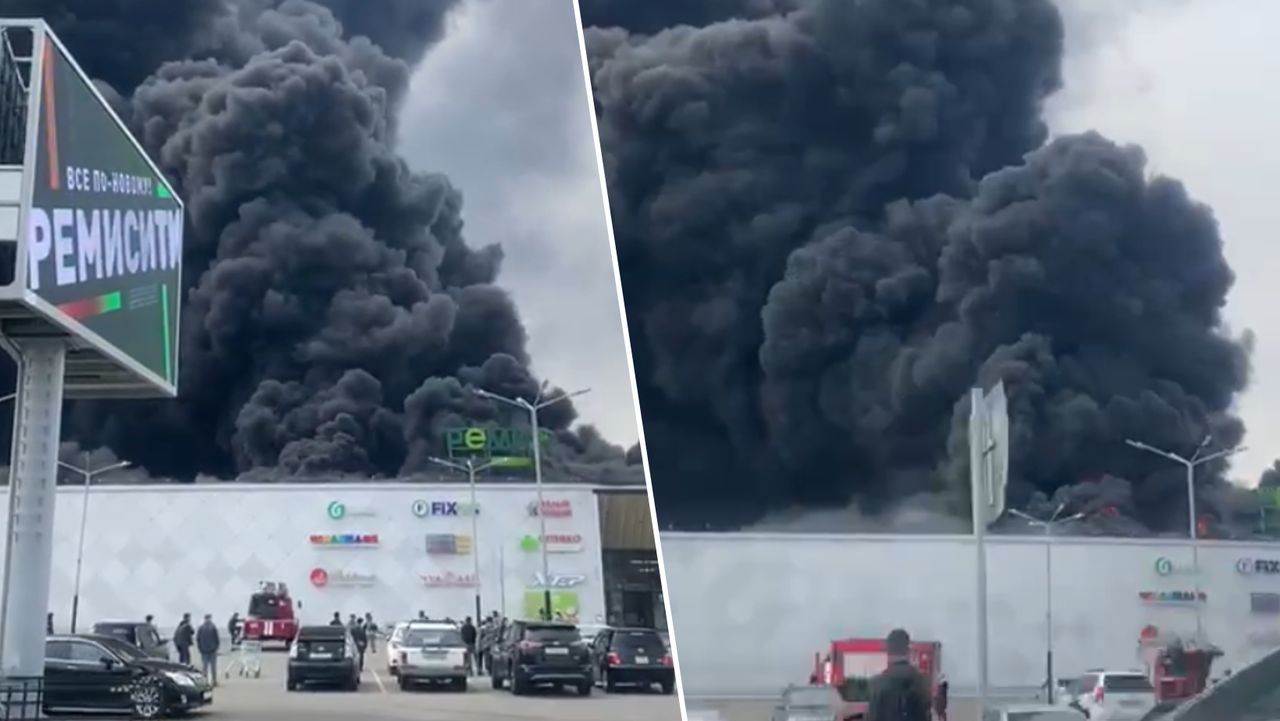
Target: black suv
x=136, y=633
x=531, y=653
x=632, y=656
x=324, y=654
x=89, y=673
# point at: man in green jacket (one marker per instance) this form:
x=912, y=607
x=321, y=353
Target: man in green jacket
x=901, y=692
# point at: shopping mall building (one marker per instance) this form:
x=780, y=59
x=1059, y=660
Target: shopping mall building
x=390, y=549
x=751, y=610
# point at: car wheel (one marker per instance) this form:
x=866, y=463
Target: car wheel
x=668, y=687
x=290, y=685
x=495, y=679
x=147, y=699
x=460, y=685
x=609, y=684
x=404, y=683
x=519, y=686
x=584, y=688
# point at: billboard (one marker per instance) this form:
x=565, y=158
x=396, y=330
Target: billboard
x=104, y=229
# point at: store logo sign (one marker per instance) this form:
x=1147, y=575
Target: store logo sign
x=337, y=510
x=551, y=509
x=425, y=509
x=448, y=544
x=321, y=578
x=450, y=580
x=558, y=580
x=344, y=540
x=1265, y=603
x=554, y=542
x=1167, y=567
x=1261, y=566
x=1172, y=598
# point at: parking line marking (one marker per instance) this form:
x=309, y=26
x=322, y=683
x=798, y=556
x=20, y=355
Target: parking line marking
x=377, y=679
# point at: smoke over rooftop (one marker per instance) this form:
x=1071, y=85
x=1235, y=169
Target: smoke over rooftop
x=833, y=218
x=335, y=314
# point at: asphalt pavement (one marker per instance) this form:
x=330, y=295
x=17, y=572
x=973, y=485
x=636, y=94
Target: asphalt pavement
x=960, y=709
x=380, y=699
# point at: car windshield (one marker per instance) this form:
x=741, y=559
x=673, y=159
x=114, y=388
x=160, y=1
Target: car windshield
x=553, y=634
x=127, y=651
x=432, y=637
x=637, y=639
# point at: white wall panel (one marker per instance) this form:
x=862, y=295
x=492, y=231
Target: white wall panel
x=751, y=609
x=204, y=548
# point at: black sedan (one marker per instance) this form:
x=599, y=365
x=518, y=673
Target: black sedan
x=324, y=654
x=632, y=656
x=100, y=674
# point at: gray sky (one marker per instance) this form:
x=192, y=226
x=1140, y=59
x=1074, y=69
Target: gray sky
x=501, y=107
x=1197, y=84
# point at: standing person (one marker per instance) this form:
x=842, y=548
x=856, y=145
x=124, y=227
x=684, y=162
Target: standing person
x=48, y=624
x=484, y=642
x=372, y=629
x=940, y=698
x=360, y=635
x=901, y=692
x=182, y=637
x=149, y=620
x=337, y=619
x=469, y=638
x=233, y=628
x=207, y=642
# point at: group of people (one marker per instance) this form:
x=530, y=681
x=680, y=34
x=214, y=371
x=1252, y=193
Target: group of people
x=364, y=631
x=206, y=640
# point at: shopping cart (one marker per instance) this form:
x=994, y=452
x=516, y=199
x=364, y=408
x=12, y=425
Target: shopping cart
x=248, y=663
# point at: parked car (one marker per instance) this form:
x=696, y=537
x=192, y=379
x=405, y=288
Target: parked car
x=1033, y=712
x=589, y=631
x=323, y=654
x=632, y=657
x=137, y=633
x=1115, y=695
x=393, y=646
x=537, y=652
x=812, y=703
x=432, y=652
x=102, y=674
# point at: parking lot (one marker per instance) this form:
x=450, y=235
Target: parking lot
x=762, y=710
x=380, y=699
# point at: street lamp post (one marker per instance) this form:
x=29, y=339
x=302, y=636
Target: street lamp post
x=532, y=409
x=88, y=475
x=471, y=469
x=1193, y=533
x=1048, y=527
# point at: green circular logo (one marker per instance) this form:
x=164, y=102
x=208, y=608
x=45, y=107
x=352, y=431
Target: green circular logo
x=529, y=543
x=1164, y=566
x=336, y=510
x=474, y=439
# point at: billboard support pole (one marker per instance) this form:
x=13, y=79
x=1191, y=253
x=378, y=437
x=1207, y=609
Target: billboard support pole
x=978, y=484
x=32, y=498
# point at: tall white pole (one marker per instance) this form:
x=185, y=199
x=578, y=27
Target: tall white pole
x=1048, y=609
x=542, y=515
x=84, y=521
x=475, y=532
x=980, y=480
x=1194, y=534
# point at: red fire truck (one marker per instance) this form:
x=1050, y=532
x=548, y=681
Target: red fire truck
x=1178, y=668
x=270, y=617
x=851, y=663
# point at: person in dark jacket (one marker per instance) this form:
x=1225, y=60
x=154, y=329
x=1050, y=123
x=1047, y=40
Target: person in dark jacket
x=183, y=636
x=48, y=624
x=360, y=635
x=901, y=692
x=207, y=642
x=469, y=637
x=371, y=628
x=337, y=619
x=940, y=699
x=233, y=628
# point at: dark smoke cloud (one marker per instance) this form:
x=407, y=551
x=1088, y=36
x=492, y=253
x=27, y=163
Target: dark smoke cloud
x=832, y=222
x=335, y=315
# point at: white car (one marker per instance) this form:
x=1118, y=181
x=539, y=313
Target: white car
x=432, y=652
x=589, y=631
x=1115, y=695
x=1032, y=712
x=393, y=647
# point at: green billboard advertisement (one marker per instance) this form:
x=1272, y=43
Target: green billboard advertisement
x=564, y=605
x=507, y=447
x=104, y=229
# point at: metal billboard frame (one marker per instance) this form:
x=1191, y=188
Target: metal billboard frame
x=94, y=367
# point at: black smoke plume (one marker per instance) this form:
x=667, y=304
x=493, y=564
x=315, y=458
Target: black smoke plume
x=834, y=220
x=335, y=315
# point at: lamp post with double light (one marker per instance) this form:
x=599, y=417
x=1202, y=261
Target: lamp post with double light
x=1192, y=522
x=1048, y=526
x=471, y=468
x=532, y=409
x=88, y=474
